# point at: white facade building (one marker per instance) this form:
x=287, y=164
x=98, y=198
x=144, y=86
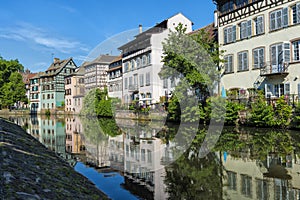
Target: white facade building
x=142, y=61
x=114, y=81
x=261, y=43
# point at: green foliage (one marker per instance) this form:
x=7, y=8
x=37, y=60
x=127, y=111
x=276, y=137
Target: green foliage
x=12, y=88
x=47, y=112
x=283, y=113
x=261, y=113
x=97, y=103
x=296, y=118
x=232, y=112
x=192, y=60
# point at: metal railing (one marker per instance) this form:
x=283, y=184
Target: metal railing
x=270, y=69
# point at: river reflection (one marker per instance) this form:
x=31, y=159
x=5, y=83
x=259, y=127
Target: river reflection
x=142, y=160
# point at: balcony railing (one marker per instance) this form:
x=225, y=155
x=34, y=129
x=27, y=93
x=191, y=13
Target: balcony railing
x=133, y=87
x=280, y=69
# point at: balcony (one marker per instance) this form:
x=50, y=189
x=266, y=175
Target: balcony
x=271, y=70
x=133, y=88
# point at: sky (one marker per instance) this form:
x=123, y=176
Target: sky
x=36, y=31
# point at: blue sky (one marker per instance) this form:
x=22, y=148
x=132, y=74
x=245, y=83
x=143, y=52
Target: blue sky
x=35, y=31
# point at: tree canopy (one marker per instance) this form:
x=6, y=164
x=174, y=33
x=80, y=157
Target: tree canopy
x=12, y=88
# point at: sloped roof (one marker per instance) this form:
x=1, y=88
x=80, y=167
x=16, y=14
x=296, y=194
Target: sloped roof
x=37, y=75
x=56, y=66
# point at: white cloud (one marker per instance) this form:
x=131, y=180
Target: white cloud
x=36, y=35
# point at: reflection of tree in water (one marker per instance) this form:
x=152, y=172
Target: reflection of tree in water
x=194, y=178
x=96, y=133
x=191, y=177
x=260, y=142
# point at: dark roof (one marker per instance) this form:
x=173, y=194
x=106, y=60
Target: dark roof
x=56, y=66
x=102, y=59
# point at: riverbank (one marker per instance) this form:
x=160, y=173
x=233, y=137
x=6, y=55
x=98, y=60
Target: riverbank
x=31, y=171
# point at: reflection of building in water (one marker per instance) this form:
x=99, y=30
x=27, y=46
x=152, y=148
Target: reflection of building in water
x=142, y=157
x=116, y=152
x=275, y=178
x=74, y=143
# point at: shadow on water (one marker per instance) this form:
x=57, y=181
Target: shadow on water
x=145, y=160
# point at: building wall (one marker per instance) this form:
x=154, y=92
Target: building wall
x=251, y=78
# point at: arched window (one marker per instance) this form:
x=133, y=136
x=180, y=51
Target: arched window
x=144, y=60
x=138, y=62
x=133, y=64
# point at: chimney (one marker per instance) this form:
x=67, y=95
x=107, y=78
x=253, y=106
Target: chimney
x=140, y=28
x=56, y=60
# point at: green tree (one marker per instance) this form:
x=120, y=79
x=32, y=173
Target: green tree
x=192, y=59
x=232, y=112
x=296, y=118
x=283, y=113
x=12, y=88
x=261, y=113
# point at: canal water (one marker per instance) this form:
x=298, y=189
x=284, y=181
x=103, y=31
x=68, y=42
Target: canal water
x=145, y=160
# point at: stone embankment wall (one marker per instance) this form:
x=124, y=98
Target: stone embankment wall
x=31, y=171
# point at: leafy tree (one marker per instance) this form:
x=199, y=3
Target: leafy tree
x=283, y=113
x=193, y=60
x=296, y=118
x=12, y=88
x=261, y=113
x=232, y=112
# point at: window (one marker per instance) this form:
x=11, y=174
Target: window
x=229, y=34
x=243, y=61
x=226, y=6
x=173, y=82
x=259, y=25
x=246, y=185
x=149, y=156
x=141, y=77
x=165, y=83
x=277, y=90
x=144, y=60
x=138, y=62
x=135, y=79
x=231, y=180
x=126, y=83
x=280, y=53
x=258, y=58
x=228, y=63
x=149, y=58
x=278, y=19
x=148, y=78
x=245, y=29
x=262, y=189
x=126, y=67
x=133, y=64
x=296, y=13
x=296, y=46
x=130, y=81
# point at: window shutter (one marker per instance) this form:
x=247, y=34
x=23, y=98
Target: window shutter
x=240, y=61
x=245, y=60
x=298, y=90
x=225, y=35
x=230, y=63
x=234, y=33
x=273, y=55
x=298, y=12
x=261, y=57
x=285, y=17
x=272, y=21
x=255, y=58
x=249, y=28
x=260, y=25
x=287, y=88
x=286, y=52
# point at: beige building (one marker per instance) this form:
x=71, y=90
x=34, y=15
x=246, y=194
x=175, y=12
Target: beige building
x=261, y=43
x=74, y=91
x=96, y=72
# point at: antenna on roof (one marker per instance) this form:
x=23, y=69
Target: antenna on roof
x=52, y=57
